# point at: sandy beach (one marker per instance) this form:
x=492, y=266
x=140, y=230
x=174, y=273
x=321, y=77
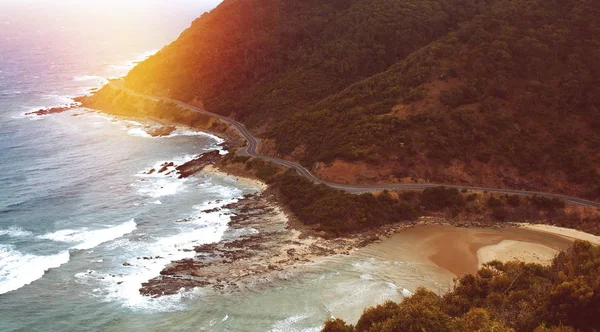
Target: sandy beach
x=459, y=250
x=568, y=233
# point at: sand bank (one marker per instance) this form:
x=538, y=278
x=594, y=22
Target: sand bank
x=244, y=180
x=510, y=250
x=563, y=232
x=462, y=250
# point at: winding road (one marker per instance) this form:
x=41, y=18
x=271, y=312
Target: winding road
x=253, y=142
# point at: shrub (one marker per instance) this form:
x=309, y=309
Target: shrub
x=336, y=211
x=499, y=213
x=472, y=197
x=493, y=202
x=546, y=203
x=438, y=198
x=513, y=200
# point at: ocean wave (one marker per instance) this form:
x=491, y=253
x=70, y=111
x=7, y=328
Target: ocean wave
x=187, y=132
x=158, y=188
x=406, y=292
x=88, y=239
x=138, y=132
x=60, y=99
x=15, y=232
x=156, y=184
x=18, y=269
x=84, y=78
x=122, y=284
x=9, y=93
x=289, y=324
x=122, y=68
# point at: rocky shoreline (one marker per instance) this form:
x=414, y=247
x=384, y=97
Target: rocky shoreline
x=54, y=110
x=260, y=246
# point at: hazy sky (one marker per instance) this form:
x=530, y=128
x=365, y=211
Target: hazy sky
x=106, y=16
x=118, y=24
x=109, y=10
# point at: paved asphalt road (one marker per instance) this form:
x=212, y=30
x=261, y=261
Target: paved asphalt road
x=251, y=147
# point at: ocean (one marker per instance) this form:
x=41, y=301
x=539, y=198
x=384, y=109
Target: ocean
x=76, y=204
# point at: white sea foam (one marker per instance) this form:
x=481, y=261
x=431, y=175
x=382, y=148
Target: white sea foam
x=85, y=78
x=18, y=269
x=183, y=132
x=289, y=324
x=122, y=68
x=406, y=292
x=138, y=132
x=160, y=184
x=157, y=188
x=59, y=99
x=88, y=239
x=10, y=93
x=15, y=232
x=125, y=287
x=123, y=284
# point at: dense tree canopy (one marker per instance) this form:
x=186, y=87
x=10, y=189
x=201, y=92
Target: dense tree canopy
x=415, y=84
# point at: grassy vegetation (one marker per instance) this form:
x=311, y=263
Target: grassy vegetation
x=511, y=296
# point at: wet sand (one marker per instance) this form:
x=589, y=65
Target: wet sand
x=455, y=249
x=568, y=233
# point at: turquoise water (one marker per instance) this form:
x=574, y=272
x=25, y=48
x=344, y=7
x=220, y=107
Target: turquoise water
x=75, y=203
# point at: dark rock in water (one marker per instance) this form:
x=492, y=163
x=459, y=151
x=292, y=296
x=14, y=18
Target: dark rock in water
x=161, y=131
x=53, y=110
x=166, y=166
x=207, y=248
x=193, y=166
x=186, y=266
x=167, y=285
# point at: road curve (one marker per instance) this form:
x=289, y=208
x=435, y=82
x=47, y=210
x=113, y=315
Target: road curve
x=252, y=146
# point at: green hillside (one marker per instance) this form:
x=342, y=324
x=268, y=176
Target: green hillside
x=499, y=93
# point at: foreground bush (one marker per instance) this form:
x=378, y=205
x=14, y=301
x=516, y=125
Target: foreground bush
x=513, y=296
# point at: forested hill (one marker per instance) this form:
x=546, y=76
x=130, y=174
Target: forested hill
x=485, y=92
